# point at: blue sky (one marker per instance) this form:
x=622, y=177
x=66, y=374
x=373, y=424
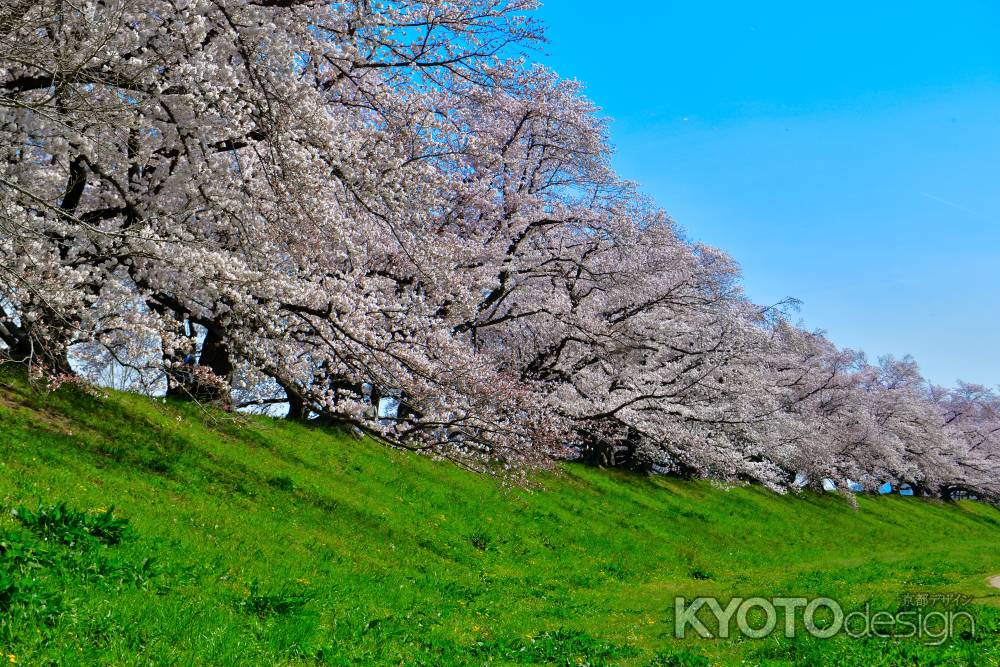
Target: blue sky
x=847, y=154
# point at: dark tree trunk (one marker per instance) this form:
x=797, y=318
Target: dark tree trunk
x=297, y=408
x=189, y=378
x=624, y=453
x=43, y=343
x=50, y=355
x=180, y=362
x=599, y=453
x=215, y=356
x=630, y=455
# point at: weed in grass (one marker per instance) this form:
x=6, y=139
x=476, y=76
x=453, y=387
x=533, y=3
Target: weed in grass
x=72, y=527
x=8, y=591
x=28, y=597
x=18, y=551
x=481, y=540
x=282, y=483
x=286, y=601
x=53, y=554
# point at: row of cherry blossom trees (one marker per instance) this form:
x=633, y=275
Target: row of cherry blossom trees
x=323, y=204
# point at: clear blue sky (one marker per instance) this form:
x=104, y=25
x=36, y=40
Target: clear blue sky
x=847, y=154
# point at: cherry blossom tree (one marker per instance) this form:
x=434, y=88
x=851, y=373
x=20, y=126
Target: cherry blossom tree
x=325, y=204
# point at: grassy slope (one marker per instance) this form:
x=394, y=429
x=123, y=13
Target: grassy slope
x=276, y=543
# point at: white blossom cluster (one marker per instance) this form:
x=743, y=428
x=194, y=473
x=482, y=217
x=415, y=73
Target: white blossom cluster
x=325, y=205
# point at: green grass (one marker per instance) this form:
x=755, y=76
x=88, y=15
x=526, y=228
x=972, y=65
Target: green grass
x=257, y=542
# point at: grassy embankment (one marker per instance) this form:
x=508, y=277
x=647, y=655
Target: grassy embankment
x=256, y=542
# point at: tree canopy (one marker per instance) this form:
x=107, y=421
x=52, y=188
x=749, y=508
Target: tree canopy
x=322, y=204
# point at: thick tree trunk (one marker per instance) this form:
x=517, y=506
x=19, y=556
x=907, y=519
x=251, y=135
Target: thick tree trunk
x=49, y=355
x=38, y=344
x=622, y=454
x=216, y=357
x=207, y=378
x=631, y=456
x=600, y=454
x=297, y=409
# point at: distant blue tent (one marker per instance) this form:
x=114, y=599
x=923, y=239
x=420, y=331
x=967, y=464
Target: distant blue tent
x=829, y=485
x=885, y=488
x=856, y=487
x=905, y=490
